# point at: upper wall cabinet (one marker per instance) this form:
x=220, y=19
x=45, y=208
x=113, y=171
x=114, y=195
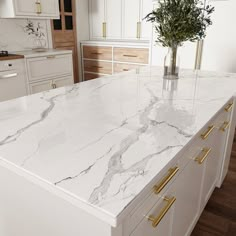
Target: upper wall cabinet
x=119, y=19
x=43, y=9
x=105, y=19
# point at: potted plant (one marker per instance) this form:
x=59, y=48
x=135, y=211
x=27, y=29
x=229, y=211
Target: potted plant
x=178, y=21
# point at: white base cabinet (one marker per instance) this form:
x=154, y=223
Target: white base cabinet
x=170, y=205
x=49, y=72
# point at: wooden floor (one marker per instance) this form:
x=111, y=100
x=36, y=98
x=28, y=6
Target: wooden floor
x=219, y=216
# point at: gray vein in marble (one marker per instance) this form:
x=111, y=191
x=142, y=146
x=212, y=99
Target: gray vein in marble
x=85, y=171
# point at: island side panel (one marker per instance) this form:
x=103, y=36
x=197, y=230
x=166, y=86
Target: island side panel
x=228, y=149
x=27, y=209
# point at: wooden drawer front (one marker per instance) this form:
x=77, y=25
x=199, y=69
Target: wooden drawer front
x=121, y=67
x=97, y=52
x=89, y=76
x=98, y=67
x=51, y=66
x=136, y=55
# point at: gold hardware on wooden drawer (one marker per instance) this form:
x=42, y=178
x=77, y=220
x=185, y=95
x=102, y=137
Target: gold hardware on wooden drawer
x=225, y=126
x=172, y=172
x=51, y=57
x=229, y=107
x=203, y=155
x=104, y=29
x=127, y=55
x=38, y=7
x=208, y=132
x=97, y=67
x=157, y=220
x=96, y=53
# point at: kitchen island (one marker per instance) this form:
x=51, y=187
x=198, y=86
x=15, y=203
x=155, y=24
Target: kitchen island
x=127, y=154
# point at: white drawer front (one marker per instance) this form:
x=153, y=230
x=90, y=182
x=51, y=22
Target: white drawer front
x=48, y=67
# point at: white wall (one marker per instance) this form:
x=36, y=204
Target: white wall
x=14, y=38
x=219, y=52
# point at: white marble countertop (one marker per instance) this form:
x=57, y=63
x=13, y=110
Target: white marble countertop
x=134, y=43
x=99, y=143
x=50, y=51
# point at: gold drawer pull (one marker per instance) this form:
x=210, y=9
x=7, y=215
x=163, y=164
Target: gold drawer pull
x=172, y=172
x=126, y=55
x=203, y=155
x=229, y=107
x=99, y=67
x=138, y=34
x=225, y=126
x=208, y=132
x=125, y=70
x=157, y=220
x=97, y=53
x=51, y=57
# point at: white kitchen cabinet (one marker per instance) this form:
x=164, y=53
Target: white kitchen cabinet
x=113, y=19
x=131, y=19
x=188, y=189
x=146, y=27
x=50, y=84
x=119, y=19
x=46, y=9
x=49, y=71
x=40, y=86
x=97, y=18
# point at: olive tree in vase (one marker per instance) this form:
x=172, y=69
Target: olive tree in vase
x=178, y=21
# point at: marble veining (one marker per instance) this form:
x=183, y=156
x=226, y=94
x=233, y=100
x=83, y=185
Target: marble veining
x=103, y=141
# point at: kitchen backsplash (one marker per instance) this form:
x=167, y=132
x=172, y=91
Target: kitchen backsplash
x=20, y=34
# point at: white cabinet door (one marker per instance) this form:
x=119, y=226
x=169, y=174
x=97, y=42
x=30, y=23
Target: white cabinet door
x=188, y=189
x=49, y=8
x=163, y=227
x=130, y=18
x=64, y=81
x=146, y=27
x=212, y=165
x=113, y=19
x=25, y=7
x=36, y=9
x=97, y=18
x=40, y=86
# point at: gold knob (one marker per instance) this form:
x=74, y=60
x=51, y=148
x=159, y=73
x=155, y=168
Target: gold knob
x=38, y=7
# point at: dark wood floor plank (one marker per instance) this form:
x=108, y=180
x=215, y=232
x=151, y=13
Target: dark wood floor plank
x=219, y=216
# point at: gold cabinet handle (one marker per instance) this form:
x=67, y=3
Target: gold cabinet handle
x=96, y=53
x=54, y=86
x=104, y=29
x=208, y=132
x=128, y=55
x=229, y=107
x=157, y=220
x=225, y=126
x=171, y=173
x=38, y=7
x=203, y=155
x=138, y=30
x=51, y=57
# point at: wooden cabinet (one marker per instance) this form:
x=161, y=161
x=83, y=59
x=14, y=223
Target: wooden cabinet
x=100, y=60
x=136, y=55
x=119, y=19
x=46, y=9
